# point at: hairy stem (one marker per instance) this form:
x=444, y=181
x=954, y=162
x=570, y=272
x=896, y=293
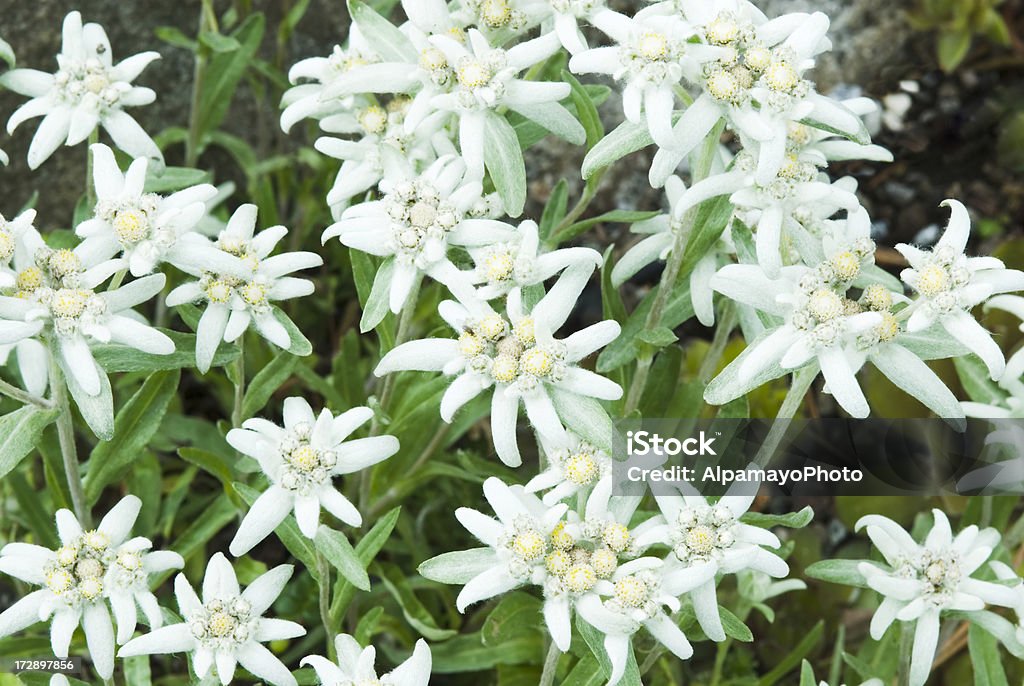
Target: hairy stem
x=547, y=677
x=906, y=654
x=802, y=380
x=236, y=410
x=68, y=450
x=324, y=571
x=726, y=323
x=12, y=391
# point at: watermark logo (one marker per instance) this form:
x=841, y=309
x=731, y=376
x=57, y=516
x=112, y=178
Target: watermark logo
x=651, y=443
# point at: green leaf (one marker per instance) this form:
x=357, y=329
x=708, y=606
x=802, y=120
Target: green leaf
x=863, y=669
x=976, y=381
x=953, y=47
x=626, y=138
x=730, y=384
x=378, y=302
x=790, y=661
x=134, y=425
x=412, y=609
x=554, y=210
x=218, y=514
x=219, y=42
x=114, y=357
x=387, y=41
x=7, y=53
x=366, y=549
x=515, y=615
x=612, y=217
x=806, y=674
x=209, y=462
x=287, y=532
x=339, y=552
x=170, y=179
x=843, y=572
x=623, y=350
x=734, y=626
x=659, y=337
x=988, y=666
x=792, y=520
x=457, y=567
x=97, y=410
x=587, y=672
x=19, y=434
x=712, y=218
x=586, y=111
x=266, y=381
x=363, y=271
x=504, y=161
x=586, y=416
x=595, y=641
x=467, y=653
x=1001, y=628
x=172, y=35
x=300, y=345
x=224, y=71
x=136, y=670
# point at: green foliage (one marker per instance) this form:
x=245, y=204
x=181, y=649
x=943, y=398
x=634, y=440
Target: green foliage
x=958, y=23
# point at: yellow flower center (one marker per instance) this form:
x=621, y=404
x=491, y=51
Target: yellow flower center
x=537, y=362
x=130, y=226
x=491, y=327
x=221, y=624
x=29, y=279
x=605, y=562
x=799, y=133
x=505, y=369
x=304, y=458
x=653, y=46
x=846, y=265
x=889, y=327
x=422, y=214
x=6, y=245
x=558, y=562
x=470, y=344
x=64, y=262
x=631, y=592
x=932, y=280
x=253, y=293
x=781, y=76
x=529, y=545
x=580, y=578
x=66, y=556
x=825, y=305
x=723, y=85
x=877, y=297
x=89, y=569
x=90, y=588
x=96, y=83
x=499, y=266
x=722, y=31
x=560, y=538
x=700, y=540
x=97, y=540
x=615, y=536
x=495, y=13
x=474, y=74
x=433, y=59
x=129, y=561
x=59, y=581
x=373, y=119
x=581, y=468
x=757, y=59
x=69, y=303
x=219, y=291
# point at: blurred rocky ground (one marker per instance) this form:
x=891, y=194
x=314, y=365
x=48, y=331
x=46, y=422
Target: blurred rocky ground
x=960, y=136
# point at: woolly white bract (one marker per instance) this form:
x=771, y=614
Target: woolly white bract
x=355, y=665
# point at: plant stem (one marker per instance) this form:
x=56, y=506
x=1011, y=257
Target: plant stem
x=726, y=323
x=802, y=380
x=391, y=495
x=207, y=20
x=90, y=187
x=68, y=450
x=117, y=280
x=547, y=677
x=236, y=410
x=12, y=391
x=324, y=571
x=721, y=651
x=588, y=195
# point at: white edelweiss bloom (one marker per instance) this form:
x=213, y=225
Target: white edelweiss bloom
x=710, y=536
x=226, y=627
x=573, y=466
x=638, y=595
x=651, y=57
x=1005, y=573
x=949, y=284
x=485, y=78
x=922, y=580
x=517, y=356
x=661, y=232
x=78, y=579
x=72, y=318
x=7, y=55
x=381, y=131
x=520, y=262
x=355, y=666
x=520, y=540
x=415, y=221
x=88, y=90
x=300, y=460
x=313, y=78
x=145, y=229
x=237, y=298
x=819, y=324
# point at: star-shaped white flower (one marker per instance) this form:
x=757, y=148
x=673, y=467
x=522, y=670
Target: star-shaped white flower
x=90, y=569
x=922, y=580
x=517, y=356
x=88, y=90
x=227, y=627
x=300, y=460
x=573, y=466
x=949, y=284
x=243, y=296
x=355, y=665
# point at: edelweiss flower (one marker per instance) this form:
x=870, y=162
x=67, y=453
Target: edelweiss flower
x=1005, y=573
x=924, y=579
x=950, y=284
x=19, y=242
x=706, y=536
x=518, y=356
x=573, y=466
x=414, y=223
x=355, y=665
x=519, y=262
x=485, y=79
x=89, y=569
x=313, y=98
x=652, y=56
x=663, y=230
x=564, y=18
x=638, y=594
x=243, y=296
x=519, y=539
x=227, y=626
x=145, y=228
x=71, y=317
x=300, y=460
x=87, y=90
